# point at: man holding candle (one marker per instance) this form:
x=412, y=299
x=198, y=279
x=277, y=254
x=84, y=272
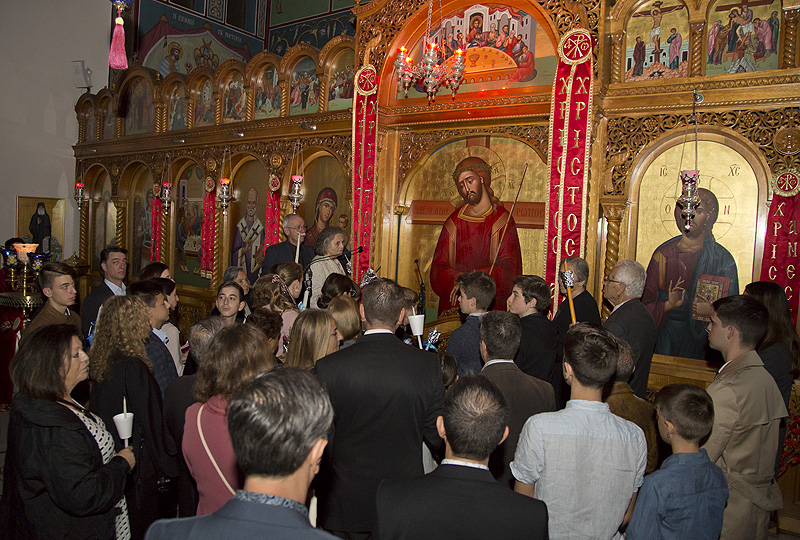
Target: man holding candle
x=291, y=249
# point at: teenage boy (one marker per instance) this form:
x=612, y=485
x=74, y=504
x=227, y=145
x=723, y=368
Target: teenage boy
x=530, y=301
x=686, y=497
x=153, y=295
x=584, y=462
x=57, y=281
x=475, y=293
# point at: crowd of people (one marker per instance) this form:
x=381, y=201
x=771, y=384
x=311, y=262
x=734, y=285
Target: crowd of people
x=522, y=426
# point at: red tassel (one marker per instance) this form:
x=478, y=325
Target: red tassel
x=117, y=58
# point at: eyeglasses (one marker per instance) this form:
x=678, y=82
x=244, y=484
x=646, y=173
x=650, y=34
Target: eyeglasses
x=299, y=228
x=607, y=279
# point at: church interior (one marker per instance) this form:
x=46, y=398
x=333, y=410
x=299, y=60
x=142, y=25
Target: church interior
x=229, y=110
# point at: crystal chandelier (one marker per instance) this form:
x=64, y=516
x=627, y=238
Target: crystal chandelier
x=430, y=72
x=689, y=199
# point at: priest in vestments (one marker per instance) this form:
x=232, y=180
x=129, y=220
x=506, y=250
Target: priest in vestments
x=471, y=237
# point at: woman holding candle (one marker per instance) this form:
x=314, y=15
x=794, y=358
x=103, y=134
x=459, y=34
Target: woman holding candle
x=62, y=477
x=120, y=369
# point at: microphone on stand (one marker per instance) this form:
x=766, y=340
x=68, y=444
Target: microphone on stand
x=307, y=280
x=421, y=303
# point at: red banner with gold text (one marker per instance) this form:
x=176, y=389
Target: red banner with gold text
x=780, y=263
x=209, y=228
x=272, y=225
x=570, y=128
x=365, y=125
x=155, y=224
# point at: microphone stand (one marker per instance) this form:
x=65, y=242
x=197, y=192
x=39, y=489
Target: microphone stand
x=308, y=274
x=421, y=303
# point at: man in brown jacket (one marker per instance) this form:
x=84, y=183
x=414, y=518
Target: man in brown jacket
x=747, y=412
x=57, y=281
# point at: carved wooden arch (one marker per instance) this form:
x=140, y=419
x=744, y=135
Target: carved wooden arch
x=622, y=12
x=307, y=154
x=104, y=97
x=239, y=157
x=294, y=55
x=86, y=106
x=438, y=139
x=130, y=174
x=223, y=74
x=255, y=68
x=131, y=76
x=168, y=84
x=331, y=50
x=91, y=172
x=194, y=89
x=415, y=26
x=675, y=137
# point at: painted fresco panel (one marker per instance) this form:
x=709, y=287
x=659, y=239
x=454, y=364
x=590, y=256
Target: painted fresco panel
x=140, y=115
x=340, y=87
x=189, y=201
x=657, y=42
x=315, y=32
x=90, y=128
x=177, y=109
x=268, y=94
x=108, y=120
x=304, y=88
x=505, y=48
x=234, y=101
x=142, y=219
x=743, y=37
x=204, y=110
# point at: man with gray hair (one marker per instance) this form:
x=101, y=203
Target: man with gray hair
x=279, y=428
x=294, y=227
x=387, y=396
x=630, y=321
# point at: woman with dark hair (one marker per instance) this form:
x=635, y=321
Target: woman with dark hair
x=337, y=285
x=155, y=270
x=121, y=369
x=314, y=335
x=329, y=246
x=270, y=291
x=170, y=328
x=62, y=478
x=237, y=355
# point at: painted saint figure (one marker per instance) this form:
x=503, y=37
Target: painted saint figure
x=325, y=207
x=248, y=240
x=470, y=238
x=40, y=229
x=638, y=56
x=675, y=41
x=677, y=266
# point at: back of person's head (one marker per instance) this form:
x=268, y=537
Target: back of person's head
x=326, y=238
x=231, y=273
x=202, y=332
x=593, y=353
x=289, y=271
x=122, y=327
x=475, y=415
x=309, y=338
x=39, y=367
x=689, y=408
x=746, y=314
x=148, y=290
x=276, y=421
x=51, y=270
x=337, y=285
x=347, y=316
x=268, y=291
x=578, y=266
x=633, y=275
x=411, y=298
x=267, y=321
x=11, y=241
x=449, y=366
x=501, y=331
x=153, y=270
x=625, y=363
x=383, y=302
x=780, y=328
x=236, y=355
x=109, y=250
x=167, y=285
x=478, y=285
x=534, y=287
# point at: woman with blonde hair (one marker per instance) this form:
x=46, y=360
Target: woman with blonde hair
x=271, y=292
x=348, y=319
x=313, y=336
x=121, y=370
x=237, y=355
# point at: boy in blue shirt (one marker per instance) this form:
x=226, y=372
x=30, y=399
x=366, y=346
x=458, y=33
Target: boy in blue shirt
x=686, y=497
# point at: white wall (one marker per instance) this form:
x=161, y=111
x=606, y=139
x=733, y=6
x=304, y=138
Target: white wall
x=38, y=127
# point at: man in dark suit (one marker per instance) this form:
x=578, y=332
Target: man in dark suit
x=156, y=344
x=526, y=395
x=113, y=268
x=538, y=347
x=294, y=227
x=631, y=321
x=278, y=427
x=460, y=499
x=387, y=396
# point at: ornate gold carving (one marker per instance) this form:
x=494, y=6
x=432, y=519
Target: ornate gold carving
x=613, y=212
x=616, y=56
x=390, y=18
x=188, y=315
x=211, y=164
x=787, y=140
x=449, y=105
x=790, y=17
x=628, y=135
x=696, y=45
x=633, y=89
x=84, y=236
x=121, y=225
x=415, y=145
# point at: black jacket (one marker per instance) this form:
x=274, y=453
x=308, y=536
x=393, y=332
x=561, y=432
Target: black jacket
x=55, y=484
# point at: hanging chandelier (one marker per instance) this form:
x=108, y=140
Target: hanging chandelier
x=689, y=199
x=430, y=72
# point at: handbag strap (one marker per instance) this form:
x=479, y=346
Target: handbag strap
x=208, y=452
